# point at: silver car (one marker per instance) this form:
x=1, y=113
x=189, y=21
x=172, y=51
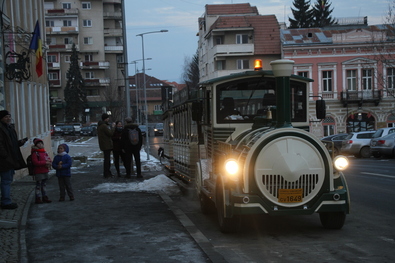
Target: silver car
x=357, y=144
x=383, y=146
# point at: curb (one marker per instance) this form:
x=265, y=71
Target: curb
x=22, y=229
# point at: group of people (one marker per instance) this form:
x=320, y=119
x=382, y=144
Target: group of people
x=11, y=159
x=124, y=142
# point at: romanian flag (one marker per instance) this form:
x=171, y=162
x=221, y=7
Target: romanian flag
x=36, y=45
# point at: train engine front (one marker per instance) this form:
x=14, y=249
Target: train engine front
x=274, y=166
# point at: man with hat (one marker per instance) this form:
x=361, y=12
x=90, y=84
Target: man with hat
x=132, y=148
x=104, y=135
x=11, y=158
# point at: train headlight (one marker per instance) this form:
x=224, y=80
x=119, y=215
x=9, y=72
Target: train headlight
x=340, y=163
x=232, y=168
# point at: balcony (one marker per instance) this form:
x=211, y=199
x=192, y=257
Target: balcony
x=113, y=48
x=62, y=47
x=112, y=1
x=97, y=82
x=361, y=97
x=53, y=65
x=61, y=12
x=232, y=50
x=57, y=30
x=95, y=65
x=112, y=15
x=112, y=32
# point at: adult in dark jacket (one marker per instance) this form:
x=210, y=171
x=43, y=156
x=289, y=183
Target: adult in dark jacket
x=131, y=149
x=11, y=158
x=104, y=134
x=117, y=147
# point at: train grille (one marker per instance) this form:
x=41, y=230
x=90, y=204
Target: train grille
x=273, y=183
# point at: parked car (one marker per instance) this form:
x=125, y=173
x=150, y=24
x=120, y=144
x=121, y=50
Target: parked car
x=143, y=129
x=158, y=129
x=383, y=132
x=77, y=127
x=383, y=146
x=68, y=130
x=357, y=144
x=337, y=140
x=88, y=131
x=58, y=129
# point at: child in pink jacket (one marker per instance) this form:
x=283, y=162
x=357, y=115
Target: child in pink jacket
x=42, y=163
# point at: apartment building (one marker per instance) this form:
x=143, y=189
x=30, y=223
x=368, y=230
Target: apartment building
x=232, y=36
x=353, y=69
x=23, y=86
x=97, y=30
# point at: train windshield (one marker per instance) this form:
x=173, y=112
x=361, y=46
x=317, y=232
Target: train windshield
x=242, y=100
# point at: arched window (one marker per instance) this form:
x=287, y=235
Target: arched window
x=391, y=120
x=360, y=122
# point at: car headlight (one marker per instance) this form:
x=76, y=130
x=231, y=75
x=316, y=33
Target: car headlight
x=232, y=168
x=340, y=163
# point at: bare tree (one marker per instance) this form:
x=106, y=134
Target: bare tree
x=114, y=96
x=191, y=71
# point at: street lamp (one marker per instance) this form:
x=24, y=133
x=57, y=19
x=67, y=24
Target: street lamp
x=145, y=85
x=135, y=82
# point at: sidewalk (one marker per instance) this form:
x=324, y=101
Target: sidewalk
x=96, y=227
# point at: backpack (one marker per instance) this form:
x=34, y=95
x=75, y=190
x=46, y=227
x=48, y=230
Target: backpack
x=133, y=136
x=30, y=165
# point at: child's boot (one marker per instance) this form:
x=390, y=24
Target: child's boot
x=38, y=200
x=46, y=200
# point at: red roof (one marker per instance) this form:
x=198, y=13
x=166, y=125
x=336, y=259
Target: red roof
x=231, y=9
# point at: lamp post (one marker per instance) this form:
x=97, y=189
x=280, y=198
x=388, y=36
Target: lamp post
x=282, y=71
x=145, y=86
x=136, y=83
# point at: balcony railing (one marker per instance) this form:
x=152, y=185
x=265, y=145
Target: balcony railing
x=53, y=65
x=113, y=48
x=61, y=30
x=95, y=64
x=97, y=82
x=54, y=83
x=62, y=47
x=112, y=15
x=61, y=12
x=234, y=49
x=112, y=32
x=361, y=97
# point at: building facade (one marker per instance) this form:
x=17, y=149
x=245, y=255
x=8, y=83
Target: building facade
x=23, y=89
x=232, y=36
x=97, y=29
x=352, y=67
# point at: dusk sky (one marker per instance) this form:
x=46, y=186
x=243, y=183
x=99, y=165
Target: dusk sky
x=169, y=50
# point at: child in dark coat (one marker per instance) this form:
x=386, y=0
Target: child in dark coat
x=62, y=164
x=41, y=162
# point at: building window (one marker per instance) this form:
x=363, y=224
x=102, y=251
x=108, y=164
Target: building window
x=241, y=39
x=88, y=57
x=68, y=40
x=242, y=64
x=367, y=79
x=53, y=76
x=67, y=58
x=86, y=5
x=352, y=80
x=89, y=75
x=88, y=40
x=66, y=5
x=66, y=22
x=219, y=40
x=327, y=80
x=329, y=126
x=158, y=107
x=390, y=78
x=51, y=58
x=49, y=23
x=303, y=74
x=87, y=23
x=92, y=92
x=221, y=64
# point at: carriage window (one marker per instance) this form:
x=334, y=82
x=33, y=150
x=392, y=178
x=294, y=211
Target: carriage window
x=242, y=100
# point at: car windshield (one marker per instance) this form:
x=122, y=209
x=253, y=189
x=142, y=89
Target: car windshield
x=143, y=127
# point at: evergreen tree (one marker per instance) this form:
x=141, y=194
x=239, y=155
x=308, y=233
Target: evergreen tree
x=303, y=15
x=74, y=93
x=322, y=14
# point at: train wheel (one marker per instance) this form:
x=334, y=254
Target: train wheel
x=333, y=220
x=226, y=225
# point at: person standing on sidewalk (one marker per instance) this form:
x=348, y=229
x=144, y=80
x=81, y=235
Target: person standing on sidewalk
x=62, y=164
x=41, y=163
x=104, y=134
x=132, y=146
x=11, y=158
x=117, y=148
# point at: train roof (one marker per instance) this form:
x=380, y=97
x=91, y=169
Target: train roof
x=247, y=74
